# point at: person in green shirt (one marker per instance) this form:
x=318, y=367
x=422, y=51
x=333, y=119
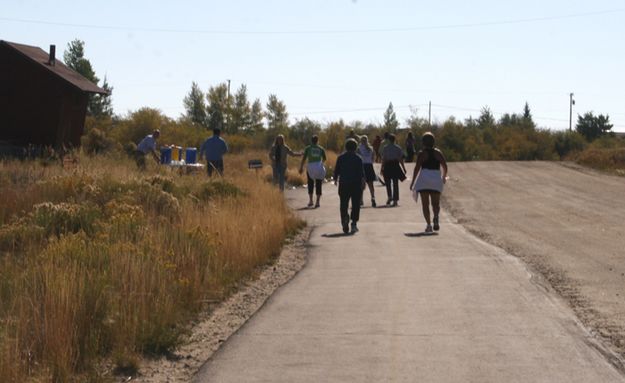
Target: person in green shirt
x=315, y=171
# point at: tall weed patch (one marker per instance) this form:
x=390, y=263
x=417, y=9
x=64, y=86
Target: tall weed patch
x=102, y=262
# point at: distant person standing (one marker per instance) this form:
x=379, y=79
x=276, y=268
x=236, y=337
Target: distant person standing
x=215, y=147
x=147, y=146
x=349, y=174
x=377, y=141
x=410, y=150
x=315, y=172
x=367, y=153
x=352, y=134
x=278, y=155
x=429, y=181
x=393, y=169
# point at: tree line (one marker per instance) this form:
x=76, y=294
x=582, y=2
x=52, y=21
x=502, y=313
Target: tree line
x=252, y=124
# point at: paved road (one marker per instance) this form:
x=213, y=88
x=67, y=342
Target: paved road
x=563, y=220
x=383, y=306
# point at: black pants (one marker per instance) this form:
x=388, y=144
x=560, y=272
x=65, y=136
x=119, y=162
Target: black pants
x=392, y=194
x=350, y=191
x=314, y=184
x=409, y=154
x=215, y=165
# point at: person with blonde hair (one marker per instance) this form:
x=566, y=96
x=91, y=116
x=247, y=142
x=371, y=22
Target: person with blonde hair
x=428, y=181
x=278, y=155
x=367, y=154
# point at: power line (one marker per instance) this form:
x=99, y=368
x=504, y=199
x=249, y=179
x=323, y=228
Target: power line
x=372, y=109
x=317, y=32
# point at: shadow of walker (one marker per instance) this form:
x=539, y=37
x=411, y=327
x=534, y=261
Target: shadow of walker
x=420, y=234
x=337, y=235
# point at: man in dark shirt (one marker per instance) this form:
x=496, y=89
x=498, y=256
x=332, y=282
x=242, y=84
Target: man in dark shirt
x=350, y=176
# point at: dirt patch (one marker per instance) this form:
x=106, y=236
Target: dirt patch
x=563, y=222
x=222, y=320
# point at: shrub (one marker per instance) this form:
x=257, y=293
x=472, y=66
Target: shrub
x=567, y=143
x=603, y=159
x=218, y=189
x=95, y=141
x=65, y=217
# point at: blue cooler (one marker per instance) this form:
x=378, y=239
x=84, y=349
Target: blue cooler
x=165, y=155
x=191, y=155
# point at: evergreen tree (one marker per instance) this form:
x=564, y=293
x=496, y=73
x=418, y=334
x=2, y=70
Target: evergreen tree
x=256, y=118
x=593, y=127
x=194, y=105
x=486, y=119
x=218, y=103
x=277, y=117
x=241, y=112
x=74, y=57
x=509, y=120
x=390, y=119
x=101, y=105
x=527, y=117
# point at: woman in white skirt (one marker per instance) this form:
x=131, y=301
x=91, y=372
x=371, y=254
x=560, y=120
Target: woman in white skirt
x=367, y=154
x=428, y=180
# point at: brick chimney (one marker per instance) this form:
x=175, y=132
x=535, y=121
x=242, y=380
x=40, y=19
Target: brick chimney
x=52, y=58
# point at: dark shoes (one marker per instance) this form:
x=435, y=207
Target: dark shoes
x=437, y=227
x=354, y=228
x=345, y=226
x=373, y=202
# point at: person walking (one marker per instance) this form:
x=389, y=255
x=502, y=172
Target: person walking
x=145, y=147
x=377, y=141
x=393, y=169
x=214, y=147
x=410, y=150
x=315, y=171
x=428, y=181
x=349, y=174
x=278, y=155
x=367, y=154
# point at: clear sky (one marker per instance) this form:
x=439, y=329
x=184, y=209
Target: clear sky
x=330, y=59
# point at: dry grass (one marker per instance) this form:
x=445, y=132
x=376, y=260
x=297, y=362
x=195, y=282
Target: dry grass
x=612, y=160
x=102, y=262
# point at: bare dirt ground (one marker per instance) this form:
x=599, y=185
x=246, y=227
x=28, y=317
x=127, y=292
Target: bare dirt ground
x=566, y=222
x=222, y=320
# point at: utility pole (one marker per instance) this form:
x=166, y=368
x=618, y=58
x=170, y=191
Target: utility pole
x=227, y=109
x=571, y=103
x=430, y=114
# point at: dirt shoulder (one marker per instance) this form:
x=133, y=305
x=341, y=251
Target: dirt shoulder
x=564, y=221
x=222, y=320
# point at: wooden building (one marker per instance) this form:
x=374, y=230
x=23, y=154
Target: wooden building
x=42, y=101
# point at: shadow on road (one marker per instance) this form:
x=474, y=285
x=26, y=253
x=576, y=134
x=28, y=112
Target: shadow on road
x=337, y=235
x=305, y=208
x=421, y=234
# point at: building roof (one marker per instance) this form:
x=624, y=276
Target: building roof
x=59, y=69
